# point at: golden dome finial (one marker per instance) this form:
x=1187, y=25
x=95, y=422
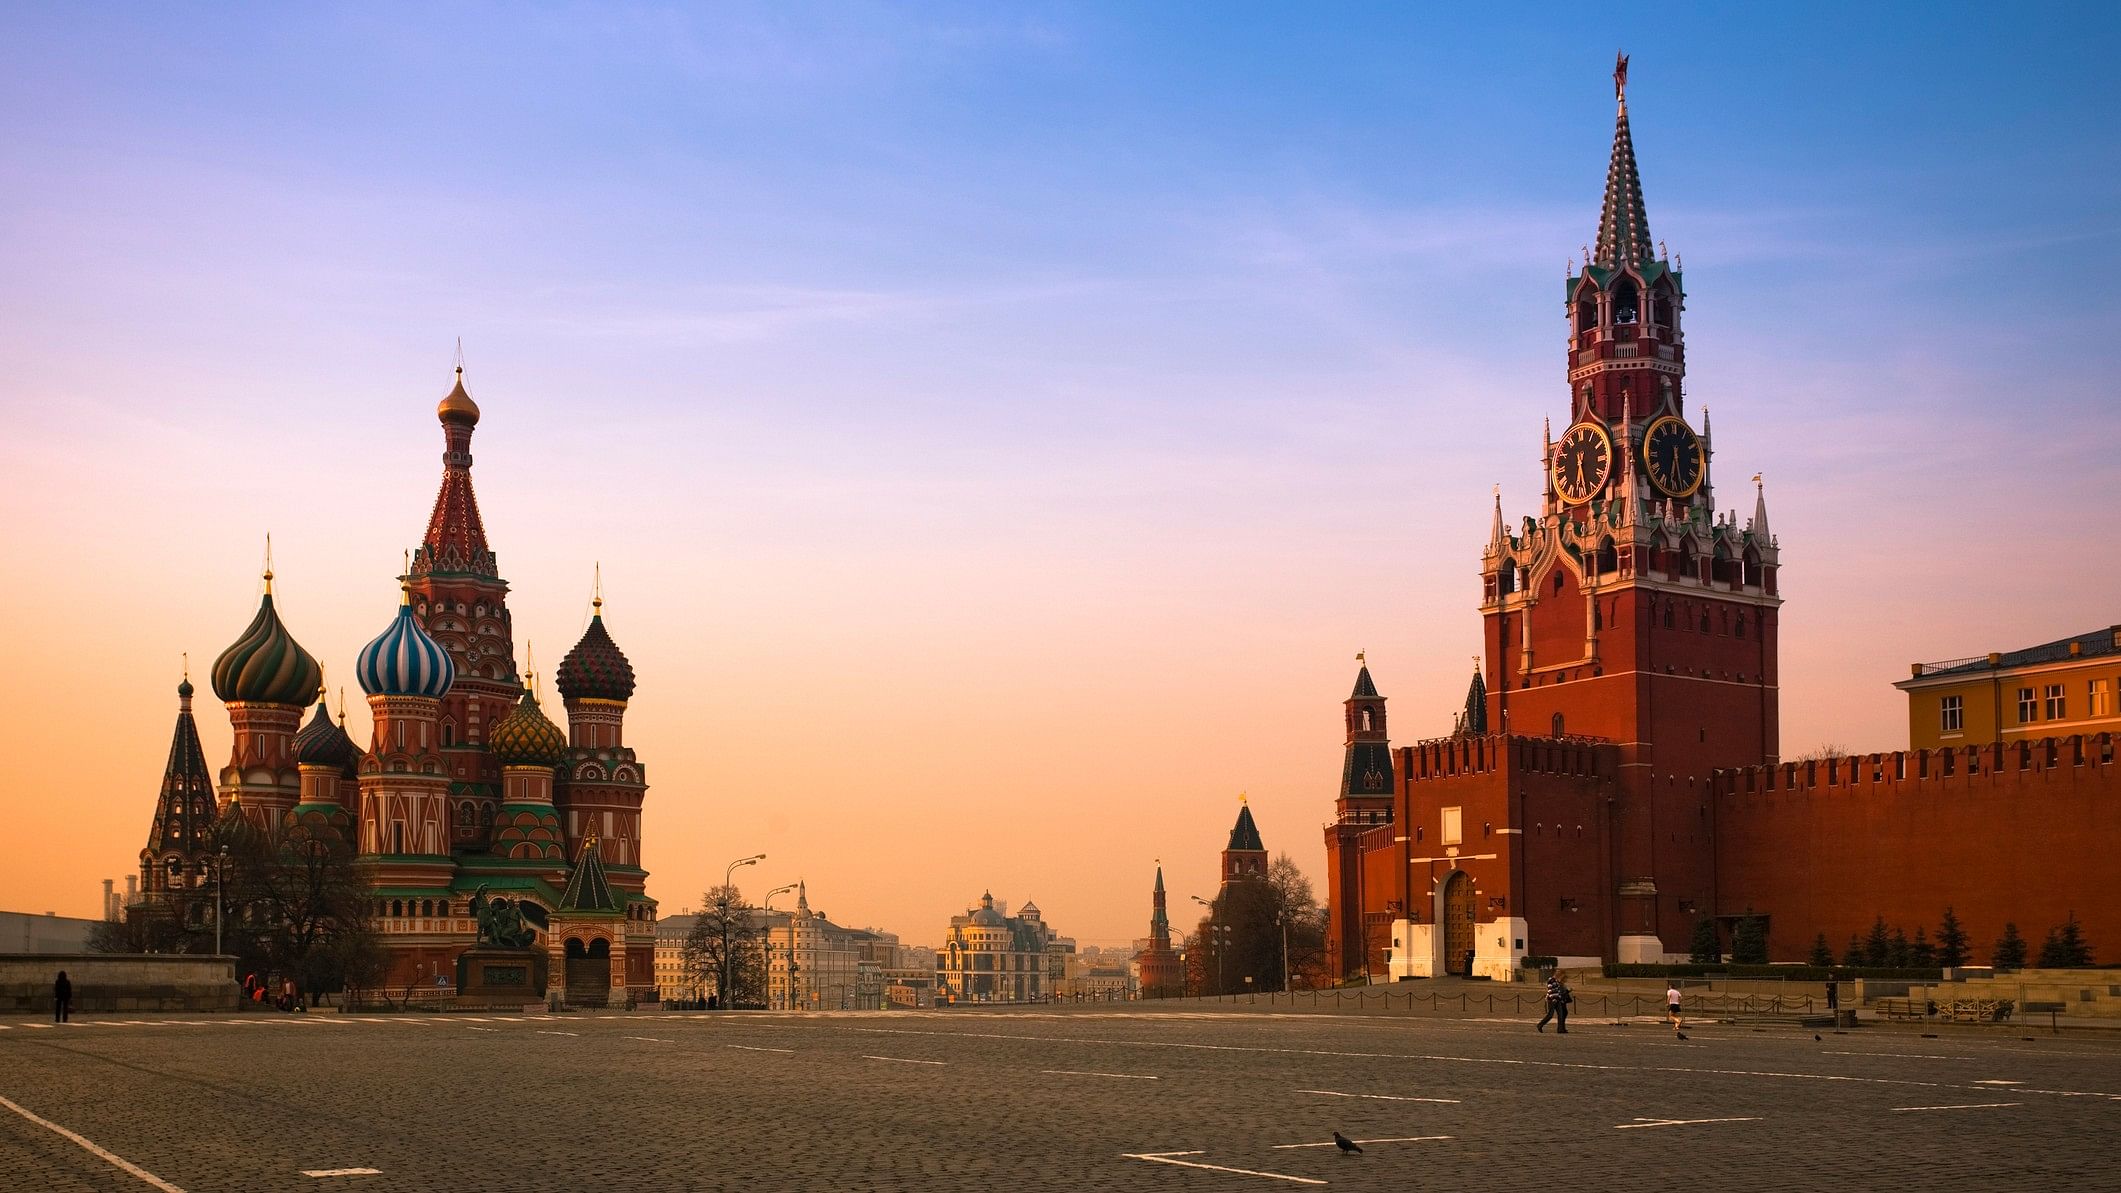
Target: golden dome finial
x=268, y=563
x=1242, y=798
x=458, y=406
x=596, y=589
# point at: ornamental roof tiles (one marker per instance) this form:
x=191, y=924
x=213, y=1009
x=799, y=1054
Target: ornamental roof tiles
x=596, y=669
x=526, y=737
x=323, y=742
x=587, y=888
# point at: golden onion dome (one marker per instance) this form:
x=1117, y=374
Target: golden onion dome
x=458, y=406
x=525, y=737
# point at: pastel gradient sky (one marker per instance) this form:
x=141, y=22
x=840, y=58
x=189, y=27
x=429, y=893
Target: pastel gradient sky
x=1001, y=425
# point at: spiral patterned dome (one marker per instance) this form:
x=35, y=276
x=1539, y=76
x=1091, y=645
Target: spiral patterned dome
x=323, y=742
x=266, y=665
x=525, y=737
x=405, y=661
x=596, y=669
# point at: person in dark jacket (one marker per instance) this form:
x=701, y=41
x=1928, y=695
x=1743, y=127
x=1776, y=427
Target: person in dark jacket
x=62, y=998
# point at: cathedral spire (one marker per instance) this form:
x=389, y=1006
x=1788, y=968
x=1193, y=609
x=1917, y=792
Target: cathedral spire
x=184, y=811
x=456, y=536
x=1624, y=223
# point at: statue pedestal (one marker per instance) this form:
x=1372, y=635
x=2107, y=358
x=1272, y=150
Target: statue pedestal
x=494, y=975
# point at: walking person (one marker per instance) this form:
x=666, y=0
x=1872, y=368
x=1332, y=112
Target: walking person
x=1558, y=1000
x=62, y=998
x=1671, y=1004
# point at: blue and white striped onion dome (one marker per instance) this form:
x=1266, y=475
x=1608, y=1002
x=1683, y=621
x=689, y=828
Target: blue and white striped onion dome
x=405, y=661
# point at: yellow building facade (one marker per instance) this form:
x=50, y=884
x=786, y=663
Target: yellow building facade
x=2068, y=686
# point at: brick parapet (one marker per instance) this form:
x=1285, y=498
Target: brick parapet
x=1455, y=757
x=1996, y=763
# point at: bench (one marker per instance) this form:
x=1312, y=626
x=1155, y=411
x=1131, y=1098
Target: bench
x=1902, y=1008
x=2053, y=1011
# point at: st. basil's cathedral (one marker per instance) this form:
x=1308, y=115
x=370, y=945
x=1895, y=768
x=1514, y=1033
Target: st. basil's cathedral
x=466, y=790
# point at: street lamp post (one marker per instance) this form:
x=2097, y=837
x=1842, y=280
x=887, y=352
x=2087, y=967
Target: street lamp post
x=722, y=901
x=1282, y=918
x=220, y=866
x=766, y=905
x=1221, y=933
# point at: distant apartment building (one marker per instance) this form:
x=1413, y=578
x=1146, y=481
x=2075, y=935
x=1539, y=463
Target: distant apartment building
x=672, y=981
x=2056, y=689
x=814, y=964
x=991, y=956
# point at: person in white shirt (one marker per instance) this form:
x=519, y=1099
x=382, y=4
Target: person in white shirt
x=1671, y=1002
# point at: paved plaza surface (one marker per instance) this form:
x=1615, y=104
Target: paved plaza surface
x=1069, y=1099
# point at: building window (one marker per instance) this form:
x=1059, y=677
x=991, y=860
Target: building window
x=1451, y=826
x=2057, y=705
x=2100, y=698
x=1952, y=714
x=2028, y=706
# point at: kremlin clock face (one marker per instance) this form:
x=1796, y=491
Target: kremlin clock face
x=1672, y=456
x=1582, y=461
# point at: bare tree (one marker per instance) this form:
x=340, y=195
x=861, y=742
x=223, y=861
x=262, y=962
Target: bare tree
x=728, y=939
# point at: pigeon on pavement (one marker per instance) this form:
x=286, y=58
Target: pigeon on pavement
x=1345, y=1144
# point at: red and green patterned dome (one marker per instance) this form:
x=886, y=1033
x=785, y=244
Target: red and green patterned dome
x=266, y=665
x=525, y=737
x=596, y=669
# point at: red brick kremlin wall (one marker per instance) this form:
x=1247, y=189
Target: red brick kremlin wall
x=2023, y=831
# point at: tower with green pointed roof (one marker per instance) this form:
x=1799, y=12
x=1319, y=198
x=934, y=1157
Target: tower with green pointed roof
x=1163, y=975
x=1245, y=857
x=1367, y=795
x=176, y=864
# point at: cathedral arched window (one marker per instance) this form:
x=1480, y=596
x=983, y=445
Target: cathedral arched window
x=1558, y=725
x=1608, y=557
x=1586, y=313
x=1661, y=306
x=1627, y=301
x=397, y=908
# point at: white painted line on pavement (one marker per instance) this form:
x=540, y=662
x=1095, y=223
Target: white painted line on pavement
x=342, y=1172
x=1678, y=1122
x=1997, y=1081
x=1334, y=1093
x=753, y=1048
x=903, y=1060
x=482, y=1029
x=1903, y=1055
x=1167, y=1158
x=1086, y=1073
x=1962, y=1106
x=647, y=1039
x=1282, y=1147
x=541, y=1031
x=90, y=1147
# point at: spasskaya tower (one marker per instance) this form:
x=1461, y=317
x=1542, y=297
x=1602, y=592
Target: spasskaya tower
x=1630, y=609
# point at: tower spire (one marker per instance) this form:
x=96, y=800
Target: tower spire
x=456, y=536
x=1624, y=222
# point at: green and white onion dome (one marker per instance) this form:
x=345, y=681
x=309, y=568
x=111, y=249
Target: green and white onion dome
x=405, y=660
